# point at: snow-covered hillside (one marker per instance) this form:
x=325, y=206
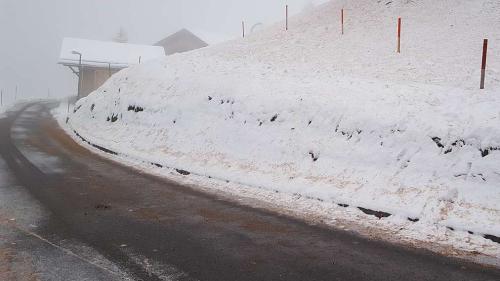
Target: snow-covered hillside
x=6, y=108
x=340, y=118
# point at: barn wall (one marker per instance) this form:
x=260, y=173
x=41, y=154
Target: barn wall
x=93, y=78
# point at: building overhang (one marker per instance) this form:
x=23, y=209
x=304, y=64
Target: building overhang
x=93, y=64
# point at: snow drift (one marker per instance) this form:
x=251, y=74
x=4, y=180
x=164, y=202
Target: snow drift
x=340, y=118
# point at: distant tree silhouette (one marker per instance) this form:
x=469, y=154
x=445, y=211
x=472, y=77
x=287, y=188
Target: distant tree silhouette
x=121, y=36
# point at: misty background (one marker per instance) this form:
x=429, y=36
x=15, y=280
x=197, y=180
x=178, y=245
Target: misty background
x=32, y=31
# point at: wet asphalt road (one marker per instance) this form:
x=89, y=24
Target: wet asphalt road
x=157, y=230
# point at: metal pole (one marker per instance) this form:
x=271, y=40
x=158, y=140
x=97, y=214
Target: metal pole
x=243, y=27
x=1, y=97
x=15, y=94
x=286, y=12
x=67, y=113
x=79, y=76
x=80, y=72
x=109, y=69
x=483, y=64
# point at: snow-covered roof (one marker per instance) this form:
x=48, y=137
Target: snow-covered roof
x=210, y=37
x=181, y=41
x=103, y=54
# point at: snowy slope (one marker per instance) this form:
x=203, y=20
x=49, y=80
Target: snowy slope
x=6, y=108
x=344, y=119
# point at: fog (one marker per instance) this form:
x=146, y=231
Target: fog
x=32, y=30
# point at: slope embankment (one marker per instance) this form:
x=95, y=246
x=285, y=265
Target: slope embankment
x=338, y=118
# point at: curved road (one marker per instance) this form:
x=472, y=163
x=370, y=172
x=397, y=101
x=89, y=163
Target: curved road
x=108, y=222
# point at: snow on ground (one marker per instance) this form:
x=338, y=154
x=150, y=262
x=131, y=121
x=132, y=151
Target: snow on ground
x=7, y=108
x=3, y=109
x=341, y=119
x=16, y=105
x=19, y=133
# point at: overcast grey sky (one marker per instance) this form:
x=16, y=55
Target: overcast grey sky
x=32, y=31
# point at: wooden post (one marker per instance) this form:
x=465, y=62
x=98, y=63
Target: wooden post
x=109, y=70
x=243, y=28
x=483, y=65
x=286, y=13
x=399, y=35
x=342, y=20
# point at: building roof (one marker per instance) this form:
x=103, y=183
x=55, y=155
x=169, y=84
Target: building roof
x=105, y=54
x=181, y=41
x=211, y=37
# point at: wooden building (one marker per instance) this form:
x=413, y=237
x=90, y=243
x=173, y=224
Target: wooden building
x=94, y=62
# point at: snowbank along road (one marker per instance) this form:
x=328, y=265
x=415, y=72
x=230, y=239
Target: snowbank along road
x=342, y=120
x=82, y=217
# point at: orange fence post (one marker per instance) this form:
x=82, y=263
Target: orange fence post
x=399, y=35
x=483, y=64
x=342, y=20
